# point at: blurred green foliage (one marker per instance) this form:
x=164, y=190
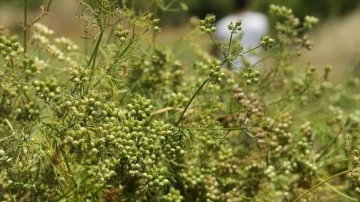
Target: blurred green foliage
x=320, y=8
x=32, y=4
x=202, y=7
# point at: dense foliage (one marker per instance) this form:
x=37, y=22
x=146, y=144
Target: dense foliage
x=132, y=122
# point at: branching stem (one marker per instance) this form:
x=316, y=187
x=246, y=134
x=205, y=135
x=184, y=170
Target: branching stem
x=26, y=25
x=192, y=98
x=321, y=183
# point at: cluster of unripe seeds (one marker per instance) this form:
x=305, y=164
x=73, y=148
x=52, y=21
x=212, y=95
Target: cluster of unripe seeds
x=175, y=99
x=57, y=49
x=173, y=196
x=355, y=174
x=121, y=141
x=212, y=186
x=336, y=116
x=6, y=100
x=152, y=143
x=29, y=67
x=251, y=75
x=208, y=24
x=104, y=170
x=211, y=68
x=9, y=47
x=155, y=24
x=306, y=130
x=156, y=72
x=235, y=27
x=266, y=42
x=5, y=182
x=289, y=29
x=193, y=178
x=279, y=127
x=310, y=21
x=281, y=11
x=250, y=104
x=305, y=144
x=48, y=89
x=140, y=108
x=121, y=34
x=215, y=73
x=279, y=137
x=29, y=112
x=306, y=43
x=66, y=43
x=79, y=75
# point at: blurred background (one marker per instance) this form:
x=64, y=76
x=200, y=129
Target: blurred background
x=336, y=38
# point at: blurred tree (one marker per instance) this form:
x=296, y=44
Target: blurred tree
x=201, y=8
x=32, y=4
x=320, y=8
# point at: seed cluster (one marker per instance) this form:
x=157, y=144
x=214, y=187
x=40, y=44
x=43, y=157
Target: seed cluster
x=251, y=75
x=250, y=104
x=355, y=174
x=29, y=112
x=235, y=27
x=215, y=74
x=79, y=75
x=58, y=48
x=266, y=42
x=175, y=99
x=288, y=28
x=29, y=67
x=157, y=71
x=10, y=47
x=121, y=34
x=121, y=141
x=208, y=24
x=48, y=89
x=173, y=196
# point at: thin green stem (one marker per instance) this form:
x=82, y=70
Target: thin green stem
x=94, y=53
x=112, y=30
x=192, y=98
x=118, y=57
x=341, y=193
x=45, y=11
x=224, y=54
x=321, y=183
x=68, y=166
x=92, y=60
x=248, y=51
x=238, y=68
x=333, y=141
x=218, y=46
x=230, y=42
x=10, y=126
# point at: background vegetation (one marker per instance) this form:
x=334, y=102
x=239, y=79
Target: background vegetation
x=322, y=9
